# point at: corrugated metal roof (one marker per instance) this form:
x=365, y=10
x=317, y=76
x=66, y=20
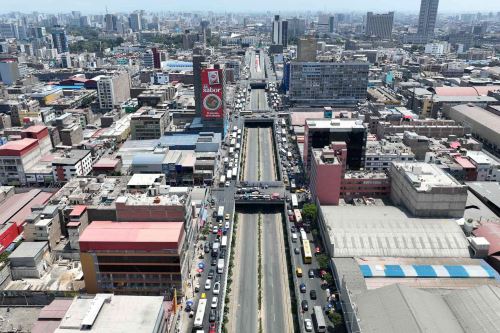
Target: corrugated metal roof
x=388, y=232
x=100, y=235
x=397, y=308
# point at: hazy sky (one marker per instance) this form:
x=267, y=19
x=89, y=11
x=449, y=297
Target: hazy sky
x=98, y=6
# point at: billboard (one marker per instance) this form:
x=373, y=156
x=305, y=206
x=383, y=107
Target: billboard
x=212, y=94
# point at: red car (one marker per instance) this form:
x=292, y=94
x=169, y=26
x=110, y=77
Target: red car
x=213, y=328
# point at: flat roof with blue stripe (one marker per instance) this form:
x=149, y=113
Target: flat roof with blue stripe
x=428, y=271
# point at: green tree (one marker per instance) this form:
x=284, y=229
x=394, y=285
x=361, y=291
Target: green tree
x=335, y=318
x=323, y=260
x=310, y=212
x=328, y=278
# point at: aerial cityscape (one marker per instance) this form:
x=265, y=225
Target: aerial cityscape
x=250, y=167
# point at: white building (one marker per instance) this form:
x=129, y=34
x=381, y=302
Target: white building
x=437, y=48
x=488, y=168
x=113, y=89
x=74, y=163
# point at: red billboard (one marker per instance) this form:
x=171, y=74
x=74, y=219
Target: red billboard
x=212, y=94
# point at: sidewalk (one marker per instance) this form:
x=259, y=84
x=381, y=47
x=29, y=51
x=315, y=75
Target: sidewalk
x=186, y=323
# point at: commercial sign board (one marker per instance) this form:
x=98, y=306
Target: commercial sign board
x=212, y=94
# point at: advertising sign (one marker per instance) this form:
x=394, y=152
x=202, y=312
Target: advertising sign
x=212, y=94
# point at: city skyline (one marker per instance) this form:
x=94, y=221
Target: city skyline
x=94, y=6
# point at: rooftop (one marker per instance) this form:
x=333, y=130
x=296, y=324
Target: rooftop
x=145, y=180
x=465, y=91
x=424, y=177
x=481, y=157
x=478, y=114
x=71, y=157
x=398, y=308
x=28, y=250
x=388, y=231
x=14, y=318
x=342, y=124
x=18, y=147
x=487, y=191
x=113, y=314
x=109, y=235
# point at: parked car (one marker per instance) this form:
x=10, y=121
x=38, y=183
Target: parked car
x=206, y=248
x=312, y=294
x=304, y=305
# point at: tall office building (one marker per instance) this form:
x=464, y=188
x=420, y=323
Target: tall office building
x=379, y=25
x=328, y=83
x=325, y=24
x=427, y=18
x=59, y=39
x=280, y=31
x=135, y=22
x=296, y=27
x=110, y=23
x=306, y=49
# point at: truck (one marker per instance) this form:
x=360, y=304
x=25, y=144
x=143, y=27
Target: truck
x=222, y=180
x=220, y=266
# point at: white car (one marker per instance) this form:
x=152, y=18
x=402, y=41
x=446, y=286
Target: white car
x=226, y=225
x=208, y=284
x=228, y=183
x=214, y=303
x=216, y=289
x=308, y=325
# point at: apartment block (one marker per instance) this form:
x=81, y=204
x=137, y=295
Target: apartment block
x=380, y=154
x=73, y=163
x=148, y=123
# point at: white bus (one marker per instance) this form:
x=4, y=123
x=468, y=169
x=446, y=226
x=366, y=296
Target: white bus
x=229, y=175
x=318, y=319
x=220, y=213
x=295, y=202
x=222, y=180
x=200, y=313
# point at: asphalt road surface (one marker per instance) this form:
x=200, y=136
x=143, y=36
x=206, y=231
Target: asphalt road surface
x=277, y=316
x=246, y=312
